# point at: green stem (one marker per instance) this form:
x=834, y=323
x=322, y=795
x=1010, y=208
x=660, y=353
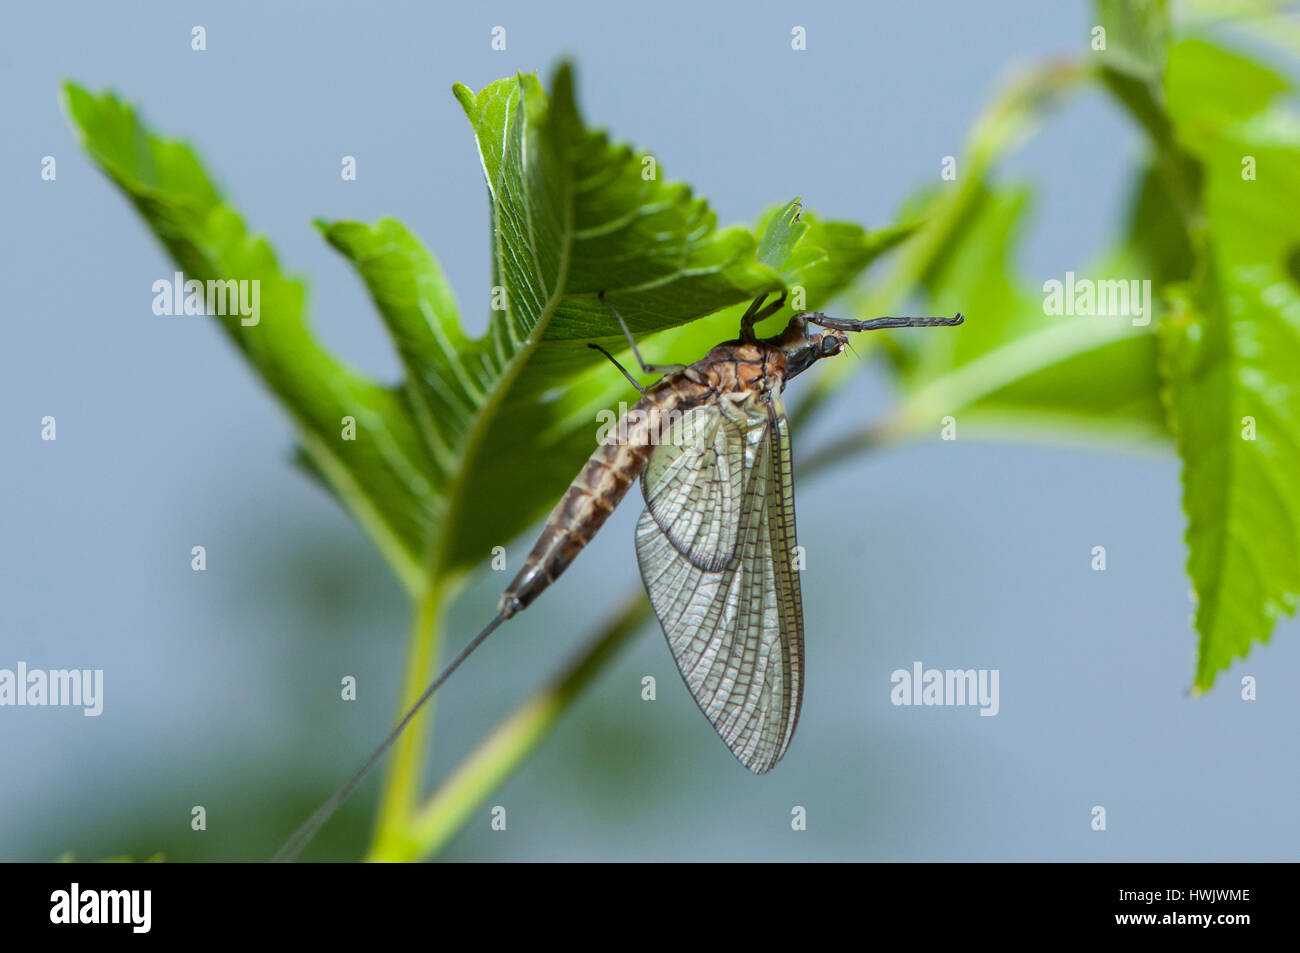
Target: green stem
x=511, y=741
x=406, y=763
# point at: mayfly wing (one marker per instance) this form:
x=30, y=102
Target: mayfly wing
x=784, y=543
x=693, y=484
x=735, y=631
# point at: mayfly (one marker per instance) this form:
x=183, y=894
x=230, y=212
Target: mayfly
x=716, y=541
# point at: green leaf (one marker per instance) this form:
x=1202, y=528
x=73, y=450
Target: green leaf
x=1232, y=358
x=842, y=251
x=433, y=473
x=1219, y=242
x=780, y=234
x=382, y=476
x=573, y=215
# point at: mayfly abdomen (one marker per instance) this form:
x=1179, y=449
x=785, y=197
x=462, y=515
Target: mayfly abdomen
x=599, y=487
x=582, y=510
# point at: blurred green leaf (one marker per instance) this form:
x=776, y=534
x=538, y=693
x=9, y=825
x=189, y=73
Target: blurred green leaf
x=1207, y=86
x=1132, y=63
x=1014, y=362
x=935, y=219
x=1011, y=364
x=1157, y=244
x=1137, y=38
x=1132, y=67
x=1273, y=21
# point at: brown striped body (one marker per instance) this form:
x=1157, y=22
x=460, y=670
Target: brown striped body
x=731, y=371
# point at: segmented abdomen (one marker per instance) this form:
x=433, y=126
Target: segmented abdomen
x=598, y=488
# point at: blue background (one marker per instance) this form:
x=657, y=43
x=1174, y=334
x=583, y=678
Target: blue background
x=222, y=687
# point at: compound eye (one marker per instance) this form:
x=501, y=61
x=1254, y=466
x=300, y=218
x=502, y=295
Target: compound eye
x=830, y=345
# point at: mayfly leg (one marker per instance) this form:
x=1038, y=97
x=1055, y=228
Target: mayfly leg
x=646, y=368
x=621, y=369
x=756, y=313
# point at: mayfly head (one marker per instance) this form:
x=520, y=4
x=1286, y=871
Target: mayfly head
x=804, y=343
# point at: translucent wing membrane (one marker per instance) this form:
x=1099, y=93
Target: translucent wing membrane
x=693, y=483
x=735, y=631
